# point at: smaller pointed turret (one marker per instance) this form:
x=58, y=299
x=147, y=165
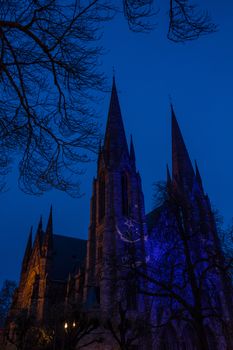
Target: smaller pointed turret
x=182, y=169
x=132, y=152
x=49, y=228
x=39, y=233
x=28, y=251
x=198, y=177
x=48, y=239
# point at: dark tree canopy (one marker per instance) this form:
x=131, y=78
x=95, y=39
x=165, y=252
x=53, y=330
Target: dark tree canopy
x=49, y=73
x=48, y=67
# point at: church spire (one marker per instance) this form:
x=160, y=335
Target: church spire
x=198, y=177
x=132, y=152
x=28, y=251
x=115, y=144
x=169, y=181
x=38, y=238
x=49, y=231
x=182, y=169
x=49, y=228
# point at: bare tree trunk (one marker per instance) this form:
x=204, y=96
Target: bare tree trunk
x=201, y=334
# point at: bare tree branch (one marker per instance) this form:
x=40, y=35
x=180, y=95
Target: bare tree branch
x=50, y=75
x=187, y=22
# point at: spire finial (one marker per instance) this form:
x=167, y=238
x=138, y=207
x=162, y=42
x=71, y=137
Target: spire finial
x=172, y=110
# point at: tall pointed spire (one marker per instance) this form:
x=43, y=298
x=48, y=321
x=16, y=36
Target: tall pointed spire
x=28, y=251
x=115, y=144
x=48, y=239
x=198, y=177
x=182, y=169
x=132, y=152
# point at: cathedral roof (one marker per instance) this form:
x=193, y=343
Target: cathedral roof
x=68, y=256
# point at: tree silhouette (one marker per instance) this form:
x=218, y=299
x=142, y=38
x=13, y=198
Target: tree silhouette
x=6, y=295
x=126, y=329
x=49, y=75
x=187, y=276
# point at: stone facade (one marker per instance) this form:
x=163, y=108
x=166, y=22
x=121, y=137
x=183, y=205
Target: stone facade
x=59, y=269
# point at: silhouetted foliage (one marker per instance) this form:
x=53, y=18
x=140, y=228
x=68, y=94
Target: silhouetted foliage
x=27, y=335
x=6, y=295
x=67, y=327
x=49, y=72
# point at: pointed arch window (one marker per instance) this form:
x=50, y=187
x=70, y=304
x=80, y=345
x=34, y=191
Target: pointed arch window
x=101, y=204
x=124, y=194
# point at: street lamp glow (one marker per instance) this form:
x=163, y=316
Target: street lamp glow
x=74, y=324
x=66, y=325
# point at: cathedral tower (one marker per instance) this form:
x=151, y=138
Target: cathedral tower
x=204, y=241
x=117, y=212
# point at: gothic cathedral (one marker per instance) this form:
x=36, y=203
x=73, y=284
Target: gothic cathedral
x=153, y=282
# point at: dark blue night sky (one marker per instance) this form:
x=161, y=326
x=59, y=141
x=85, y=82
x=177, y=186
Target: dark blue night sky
x=199, y=78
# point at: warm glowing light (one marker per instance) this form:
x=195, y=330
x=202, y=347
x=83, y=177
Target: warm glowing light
x=74, y=324
x=66, y=325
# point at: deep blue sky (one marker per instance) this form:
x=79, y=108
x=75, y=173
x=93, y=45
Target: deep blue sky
x=149, y=68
